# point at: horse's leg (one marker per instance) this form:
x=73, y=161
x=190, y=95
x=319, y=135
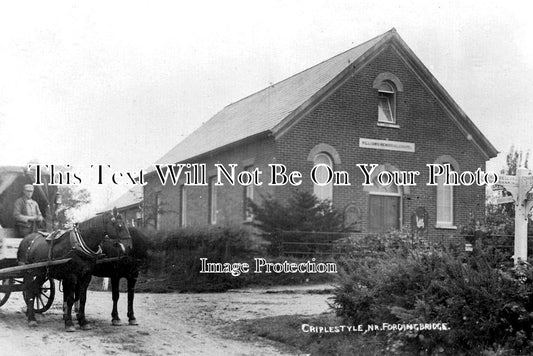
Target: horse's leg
x=132, y=279
x=115, y=294
x=69, y=285
x=83, y=286
x=31, y=291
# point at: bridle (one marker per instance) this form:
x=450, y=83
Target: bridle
x=122, y=250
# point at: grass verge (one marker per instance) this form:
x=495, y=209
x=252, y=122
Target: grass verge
x=287, y=329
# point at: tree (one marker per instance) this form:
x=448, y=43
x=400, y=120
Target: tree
x=303, y=212
x=514, y=159
x=72, y=198
x=303, y=220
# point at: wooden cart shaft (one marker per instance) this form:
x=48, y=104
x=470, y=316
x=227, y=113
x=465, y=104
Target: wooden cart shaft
x=20, y=271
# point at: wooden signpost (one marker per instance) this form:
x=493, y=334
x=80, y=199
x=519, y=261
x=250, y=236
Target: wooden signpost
x=519, y=186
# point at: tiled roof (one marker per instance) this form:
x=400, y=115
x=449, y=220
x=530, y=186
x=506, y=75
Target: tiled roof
x=262, y=111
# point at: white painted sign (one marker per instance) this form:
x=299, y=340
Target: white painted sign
x=508, y=183
x=497, y=187
x=506, y=180
x=386, y=145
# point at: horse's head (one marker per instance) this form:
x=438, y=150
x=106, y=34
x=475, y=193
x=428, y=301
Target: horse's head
x=116, y=230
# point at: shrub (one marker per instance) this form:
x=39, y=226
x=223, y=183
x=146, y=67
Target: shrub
x=298, y=220
x=485, y=306
x=174, y=261
x=176, y=254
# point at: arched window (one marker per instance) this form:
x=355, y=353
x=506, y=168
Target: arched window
x=387, y=103
x=444, y=203
x=384, y=202
x=445, y=195
x=323, y=192
x=388, y=85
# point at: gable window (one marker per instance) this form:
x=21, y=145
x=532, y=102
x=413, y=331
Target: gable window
x=388, y=86
x=323, y=192
x=387, y=103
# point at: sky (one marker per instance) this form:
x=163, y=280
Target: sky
x=122, y=82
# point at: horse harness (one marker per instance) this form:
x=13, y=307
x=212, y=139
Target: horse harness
x=76, y=242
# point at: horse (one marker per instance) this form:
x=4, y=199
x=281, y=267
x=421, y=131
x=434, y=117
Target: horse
x=82, y=245
x=123, y=265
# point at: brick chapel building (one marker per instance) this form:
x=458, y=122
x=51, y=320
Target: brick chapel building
x=375, y=103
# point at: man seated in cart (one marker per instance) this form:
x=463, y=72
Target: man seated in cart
x=27, y=213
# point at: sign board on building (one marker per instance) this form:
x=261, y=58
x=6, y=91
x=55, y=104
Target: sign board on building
x=386, y=145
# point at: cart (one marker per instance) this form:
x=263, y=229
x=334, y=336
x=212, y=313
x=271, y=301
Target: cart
x=12, y=180
x=12, y=280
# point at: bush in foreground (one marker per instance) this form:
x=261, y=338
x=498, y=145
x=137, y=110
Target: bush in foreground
x=485, y=307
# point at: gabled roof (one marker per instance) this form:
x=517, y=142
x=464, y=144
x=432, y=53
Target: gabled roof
x=272, y=109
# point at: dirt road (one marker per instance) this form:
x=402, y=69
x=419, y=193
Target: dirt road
x=170, y=324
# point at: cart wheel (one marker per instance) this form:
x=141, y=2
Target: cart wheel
x=44, y=300
x=4, y=296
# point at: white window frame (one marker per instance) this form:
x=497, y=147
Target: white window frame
x=445, y=211
x=157, y=210
x=388, y=92
x=248, y=194
x=212, y=200
x=376, y=190
x=183, y=206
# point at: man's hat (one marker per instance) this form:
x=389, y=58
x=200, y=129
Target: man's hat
x=28, y=187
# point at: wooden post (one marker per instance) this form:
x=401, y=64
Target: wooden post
x=522, y=207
